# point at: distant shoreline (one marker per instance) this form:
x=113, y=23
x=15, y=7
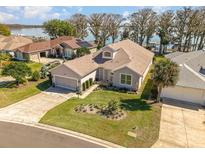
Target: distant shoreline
x=19, y=26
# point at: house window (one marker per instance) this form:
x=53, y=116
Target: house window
x=126, y=79
x=107, y=54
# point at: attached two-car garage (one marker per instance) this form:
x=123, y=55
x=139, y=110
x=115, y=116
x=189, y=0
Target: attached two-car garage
x=187, y=94
x=65, y=82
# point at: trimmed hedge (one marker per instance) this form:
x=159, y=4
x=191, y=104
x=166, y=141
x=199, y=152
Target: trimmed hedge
x=84, y=86
x=91, y=81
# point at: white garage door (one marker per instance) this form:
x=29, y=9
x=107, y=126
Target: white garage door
x=65, y=82
x=185, y=94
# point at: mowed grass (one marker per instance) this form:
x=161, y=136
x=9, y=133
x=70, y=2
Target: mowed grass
x=10, y=94
x=139, y=114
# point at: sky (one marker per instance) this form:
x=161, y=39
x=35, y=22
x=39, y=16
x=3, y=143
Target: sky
x=39, y=14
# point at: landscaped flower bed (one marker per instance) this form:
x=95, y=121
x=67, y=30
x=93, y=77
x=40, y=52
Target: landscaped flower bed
x=111, y=111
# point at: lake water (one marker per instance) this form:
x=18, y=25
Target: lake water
x=39, y=32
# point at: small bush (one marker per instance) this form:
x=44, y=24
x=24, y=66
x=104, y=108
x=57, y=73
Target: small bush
x=84, y=86
x=87, y=84
x=91, y=81
x=35, y=76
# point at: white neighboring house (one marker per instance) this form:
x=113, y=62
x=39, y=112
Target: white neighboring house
x=191, y=84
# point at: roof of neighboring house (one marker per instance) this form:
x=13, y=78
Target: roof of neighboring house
x=190, y=68
x=46, y=45
x=128, y=54
x=78, y=43
x=13, y=42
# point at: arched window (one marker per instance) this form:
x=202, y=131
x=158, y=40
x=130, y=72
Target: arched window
x=107, y=54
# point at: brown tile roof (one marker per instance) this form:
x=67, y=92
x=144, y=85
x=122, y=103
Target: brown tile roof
x=128, y=54
x=72, y=42
x=76, y=43
x=13, y=42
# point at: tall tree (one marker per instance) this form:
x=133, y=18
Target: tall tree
x=105, y=29
x=18, y=71
x=165, y=29
x=80, y=22
x=95, y=23
x=143, y=24
x=185, y=25
x=56, y=28
x=115, y=25
x=4, y=30
x=165, y=74
x=125, y=32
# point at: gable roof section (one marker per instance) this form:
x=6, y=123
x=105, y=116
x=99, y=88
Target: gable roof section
x=83, y=65
x=139, y=57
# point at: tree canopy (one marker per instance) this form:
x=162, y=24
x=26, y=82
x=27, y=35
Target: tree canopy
x=4, y=30
x=18, y=70
x=56, y=28
x=165, y=74
x=82, y=51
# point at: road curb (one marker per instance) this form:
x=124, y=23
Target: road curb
x=81, y=136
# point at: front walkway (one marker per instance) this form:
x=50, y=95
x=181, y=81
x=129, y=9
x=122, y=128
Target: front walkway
x=31, y=110
x=45, y=60
x=181, y=127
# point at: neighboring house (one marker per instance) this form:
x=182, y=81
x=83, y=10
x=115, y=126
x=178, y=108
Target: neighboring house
x=11, y=43
x=123, y=64
x=62, y=47
x=191, y=84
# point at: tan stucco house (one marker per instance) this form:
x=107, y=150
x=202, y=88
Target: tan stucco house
x=123, y=64
x=190, y=87
x=61, y=47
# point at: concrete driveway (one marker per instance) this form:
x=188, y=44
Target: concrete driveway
x=181, y=126
x=31, y=110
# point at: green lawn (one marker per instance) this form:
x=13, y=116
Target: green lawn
x=35, y=66
x=11, y=94
x=140, y=114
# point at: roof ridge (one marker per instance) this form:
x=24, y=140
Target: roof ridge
x=194, y=72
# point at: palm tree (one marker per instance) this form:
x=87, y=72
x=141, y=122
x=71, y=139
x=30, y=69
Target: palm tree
x=165, y=74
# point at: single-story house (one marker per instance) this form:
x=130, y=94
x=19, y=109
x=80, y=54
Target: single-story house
x=61, y=47
x=190, y=87
x=11, y=43
x=123, y=64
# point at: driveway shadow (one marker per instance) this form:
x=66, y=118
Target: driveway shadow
x=58, y=90
x=183, y=104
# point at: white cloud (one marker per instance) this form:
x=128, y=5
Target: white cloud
x=37, y=11
x=7, y=18
x=12, y=8
x=55, y=15
x=160, y=9
x=126, y=14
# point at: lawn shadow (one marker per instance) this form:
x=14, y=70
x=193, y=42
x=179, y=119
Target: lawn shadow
x=134, y=104
x=147, y=89
x=44, y=85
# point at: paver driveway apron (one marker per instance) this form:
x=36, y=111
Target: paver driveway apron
x=31, y=110
x=181, y=127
